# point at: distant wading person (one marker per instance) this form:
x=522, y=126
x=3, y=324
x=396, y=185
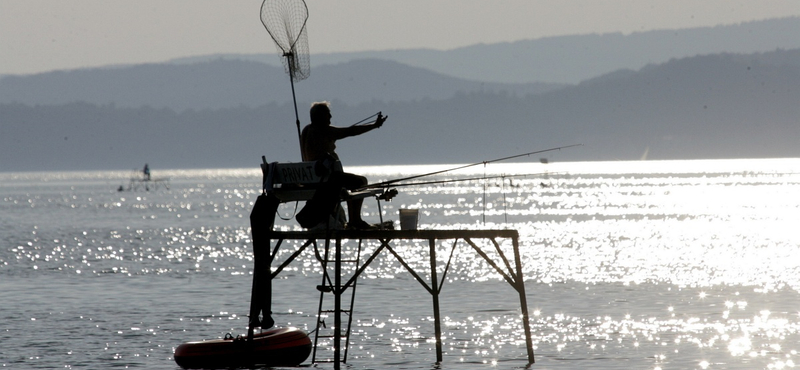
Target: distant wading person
x=318, y=142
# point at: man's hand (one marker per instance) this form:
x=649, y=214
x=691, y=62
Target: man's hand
x=380, y=120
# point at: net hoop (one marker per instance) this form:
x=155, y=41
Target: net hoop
x=285, y=21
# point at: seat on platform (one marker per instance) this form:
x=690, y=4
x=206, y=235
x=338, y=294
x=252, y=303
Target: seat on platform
x=296, y=181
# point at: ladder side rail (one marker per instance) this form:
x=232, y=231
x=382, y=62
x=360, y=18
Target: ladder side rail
x=352, y=303
x=320, y=320
x=337, y=305
x=325, y=277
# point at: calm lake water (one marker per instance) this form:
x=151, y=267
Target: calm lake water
x=635, y=265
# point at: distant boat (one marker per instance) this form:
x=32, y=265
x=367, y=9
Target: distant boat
x=141, y=180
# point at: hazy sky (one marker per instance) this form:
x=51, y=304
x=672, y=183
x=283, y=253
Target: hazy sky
x=44, y=35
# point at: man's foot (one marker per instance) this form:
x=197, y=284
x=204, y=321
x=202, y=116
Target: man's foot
x=361, y=225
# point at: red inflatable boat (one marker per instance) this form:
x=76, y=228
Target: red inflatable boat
x=275, y=347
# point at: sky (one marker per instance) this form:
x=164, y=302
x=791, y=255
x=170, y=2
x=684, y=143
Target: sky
x=44, y=35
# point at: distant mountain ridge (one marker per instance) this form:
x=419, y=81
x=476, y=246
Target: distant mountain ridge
x=572, y=59
x=220, y=83
x=522, y=67
x=701, y=107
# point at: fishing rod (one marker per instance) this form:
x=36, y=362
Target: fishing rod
x=376, y=114
x=390, y=182
x=472, y=179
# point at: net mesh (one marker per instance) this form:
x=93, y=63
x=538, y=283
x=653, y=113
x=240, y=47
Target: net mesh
x=285, y=20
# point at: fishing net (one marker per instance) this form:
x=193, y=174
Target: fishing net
x=285, y=20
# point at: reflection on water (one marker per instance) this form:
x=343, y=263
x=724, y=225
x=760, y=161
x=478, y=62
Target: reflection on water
x=660, y=265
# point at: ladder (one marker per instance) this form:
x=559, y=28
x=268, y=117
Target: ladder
x=325, y=332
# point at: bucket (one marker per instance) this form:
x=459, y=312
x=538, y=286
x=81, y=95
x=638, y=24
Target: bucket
x=408, y=219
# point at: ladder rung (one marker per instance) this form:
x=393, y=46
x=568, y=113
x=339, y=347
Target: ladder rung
x=334, y=261
x=328, y=289
x=326, y=334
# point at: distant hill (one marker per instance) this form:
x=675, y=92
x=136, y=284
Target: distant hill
x=518, y=68
x=222, y=83
x=711, y=106
x=572, y=59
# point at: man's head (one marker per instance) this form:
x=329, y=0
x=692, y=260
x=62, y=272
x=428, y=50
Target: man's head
x=320, y=113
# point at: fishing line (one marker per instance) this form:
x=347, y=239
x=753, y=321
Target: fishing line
x=482, y=178
x=484, y=194
x=503, y=190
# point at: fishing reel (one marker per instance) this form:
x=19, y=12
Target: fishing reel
x=388, y=195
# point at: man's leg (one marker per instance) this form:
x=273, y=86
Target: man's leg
x=354, y=210
x=351, y=182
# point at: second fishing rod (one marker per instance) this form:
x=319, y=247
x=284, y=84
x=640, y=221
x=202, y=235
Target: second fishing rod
x=387, y=183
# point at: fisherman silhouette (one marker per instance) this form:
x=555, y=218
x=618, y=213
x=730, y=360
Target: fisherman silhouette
x=318, y=143
x=146, y=172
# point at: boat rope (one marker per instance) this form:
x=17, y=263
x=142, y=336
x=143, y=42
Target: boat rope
x=238, y=338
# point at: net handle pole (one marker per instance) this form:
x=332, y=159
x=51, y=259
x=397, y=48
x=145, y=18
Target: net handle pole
x=290, y=57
